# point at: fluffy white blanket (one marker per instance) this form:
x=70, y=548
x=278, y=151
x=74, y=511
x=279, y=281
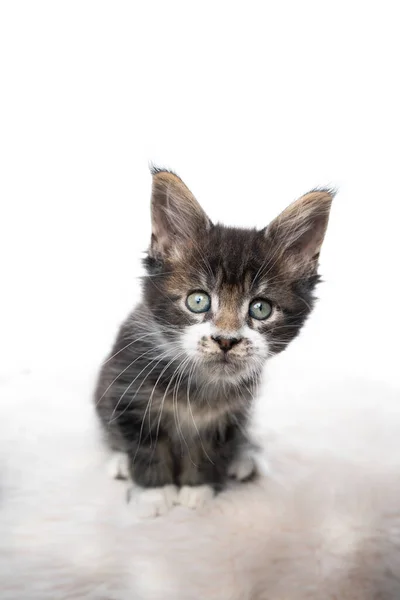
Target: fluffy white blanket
x=323, y=524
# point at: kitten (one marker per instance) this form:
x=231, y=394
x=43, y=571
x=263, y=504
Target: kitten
x=174, y=395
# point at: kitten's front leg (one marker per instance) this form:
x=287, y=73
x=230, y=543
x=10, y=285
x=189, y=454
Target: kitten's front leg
x=142, y=454
x=151, y=468
x=208, y=464
x=198, y=486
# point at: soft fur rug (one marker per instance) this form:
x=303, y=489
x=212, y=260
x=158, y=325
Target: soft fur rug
x=322, y=524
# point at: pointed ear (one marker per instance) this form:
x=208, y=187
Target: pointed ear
x=176, y=216
x=300, y=229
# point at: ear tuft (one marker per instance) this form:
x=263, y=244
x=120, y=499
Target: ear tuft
x=155, y=170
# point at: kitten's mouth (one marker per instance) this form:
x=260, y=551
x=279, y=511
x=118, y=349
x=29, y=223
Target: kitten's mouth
x=225, y=358
x=225, y=362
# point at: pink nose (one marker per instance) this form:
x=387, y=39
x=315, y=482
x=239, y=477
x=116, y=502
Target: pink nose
x=224, y=343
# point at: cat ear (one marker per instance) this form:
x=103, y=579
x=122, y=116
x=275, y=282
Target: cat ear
x=177, y=218
x=300, y=229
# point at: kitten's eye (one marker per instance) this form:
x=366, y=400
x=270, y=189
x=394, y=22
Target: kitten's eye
x=198, y=302
x=260, y=309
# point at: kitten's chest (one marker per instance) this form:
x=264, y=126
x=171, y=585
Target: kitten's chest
x=183, y=413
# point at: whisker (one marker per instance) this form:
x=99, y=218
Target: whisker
x=164, y=396
x=121, y=373
x=175, y=407
x=190, y=376
x=125, y=347
x=163, y=355
x=145, y=413
x=149, y=351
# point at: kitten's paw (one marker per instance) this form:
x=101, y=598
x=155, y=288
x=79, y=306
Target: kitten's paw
x=195, y=496
x=243, y=467
x=151, y=502
x=118, y=466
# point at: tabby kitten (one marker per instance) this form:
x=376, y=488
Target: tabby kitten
x=175, y=392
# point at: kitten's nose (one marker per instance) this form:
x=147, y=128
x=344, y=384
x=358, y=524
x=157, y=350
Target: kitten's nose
x=225, y=343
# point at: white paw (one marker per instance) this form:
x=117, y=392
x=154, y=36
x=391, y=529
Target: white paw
x=118, y=466
x=151, y=502
x=195, y=496
x=242, y=467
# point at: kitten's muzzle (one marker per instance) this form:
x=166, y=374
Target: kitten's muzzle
x=226, y=343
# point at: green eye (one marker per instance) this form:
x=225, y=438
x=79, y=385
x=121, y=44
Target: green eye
x=198, y=302
x=260, y=309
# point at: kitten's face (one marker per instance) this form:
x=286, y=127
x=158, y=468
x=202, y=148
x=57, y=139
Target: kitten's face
x=226, y=299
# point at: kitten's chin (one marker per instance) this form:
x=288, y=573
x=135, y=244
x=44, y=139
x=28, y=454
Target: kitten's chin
x=227, y=368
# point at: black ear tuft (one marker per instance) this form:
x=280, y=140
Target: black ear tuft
x=155, y=170
x=330, y=190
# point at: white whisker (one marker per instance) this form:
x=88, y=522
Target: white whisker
x=163, y=355
x=190, y=376
x=145, y=413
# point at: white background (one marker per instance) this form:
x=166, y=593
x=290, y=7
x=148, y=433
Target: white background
x=251, y=103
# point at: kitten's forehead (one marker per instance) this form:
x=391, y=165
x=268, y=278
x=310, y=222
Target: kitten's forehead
x=234, y=256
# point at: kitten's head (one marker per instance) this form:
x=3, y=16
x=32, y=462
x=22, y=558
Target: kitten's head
x=227, y=298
